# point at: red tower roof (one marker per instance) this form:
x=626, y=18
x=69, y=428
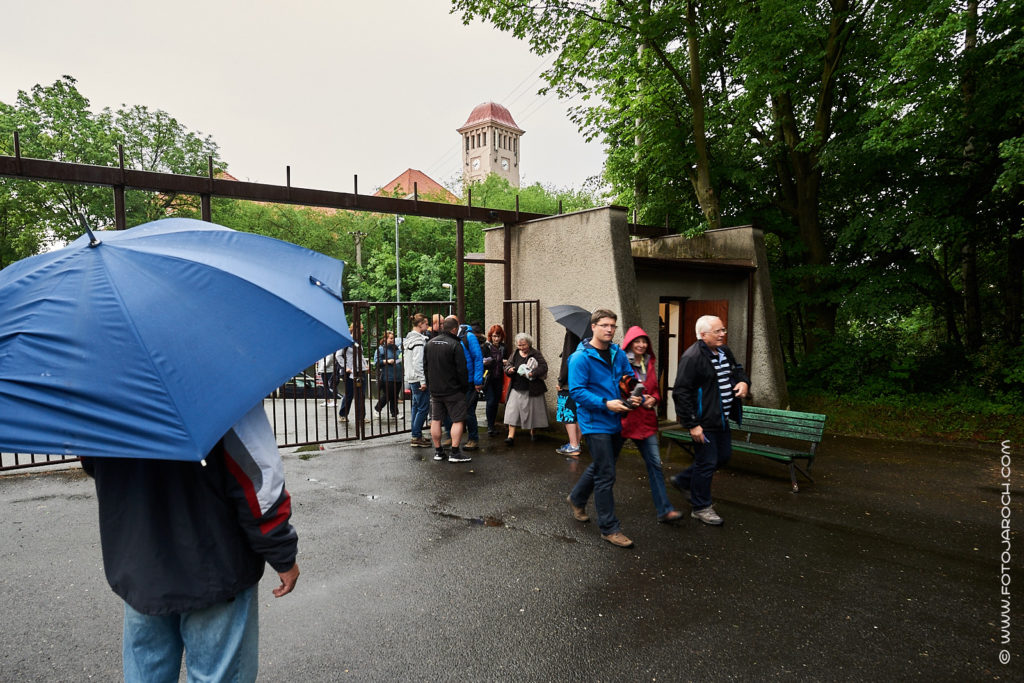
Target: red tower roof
x=491, y=111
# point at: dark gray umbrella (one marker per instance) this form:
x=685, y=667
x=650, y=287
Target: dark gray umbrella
x=572, y=318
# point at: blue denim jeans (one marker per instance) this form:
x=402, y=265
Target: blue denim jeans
x=350, y=394
x=420, y=408
x=221, y=642
x=649, y=451
x=599, y=478
x=492, y=396
x=350, y=388
x=707, y=458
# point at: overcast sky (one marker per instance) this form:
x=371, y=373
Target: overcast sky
x=331, y=88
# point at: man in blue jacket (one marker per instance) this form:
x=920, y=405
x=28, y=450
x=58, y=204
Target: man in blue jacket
x=594, y=372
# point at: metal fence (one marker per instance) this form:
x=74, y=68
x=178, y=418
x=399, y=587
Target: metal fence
x=348, y=396
x=522, y=315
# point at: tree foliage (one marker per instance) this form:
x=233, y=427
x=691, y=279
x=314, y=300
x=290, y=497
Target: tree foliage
x=55, y=122
x=878, y=144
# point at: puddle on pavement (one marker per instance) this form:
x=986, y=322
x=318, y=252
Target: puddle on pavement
x=487, y=521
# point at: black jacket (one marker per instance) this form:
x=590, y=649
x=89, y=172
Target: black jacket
x=535, y=385
x=178, y=536
x=695, y=392
x=444, y=365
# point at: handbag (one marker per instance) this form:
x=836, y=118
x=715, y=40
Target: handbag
x=506, y=382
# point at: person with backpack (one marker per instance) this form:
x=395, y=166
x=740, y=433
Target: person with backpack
x=475, y=365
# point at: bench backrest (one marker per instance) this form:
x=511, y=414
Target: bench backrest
x=785, y=423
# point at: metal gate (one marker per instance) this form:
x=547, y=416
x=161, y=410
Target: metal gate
x=347, y=396
x=346, y=399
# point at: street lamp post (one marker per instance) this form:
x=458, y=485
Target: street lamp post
x=449, y=288
x=398, y=278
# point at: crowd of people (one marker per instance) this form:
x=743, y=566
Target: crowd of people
x=207, y=606
x=606, y=393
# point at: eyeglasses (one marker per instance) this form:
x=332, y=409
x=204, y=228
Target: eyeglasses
x=719, y=331
x=607, y=326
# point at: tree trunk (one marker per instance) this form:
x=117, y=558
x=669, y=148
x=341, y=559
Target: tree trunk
x=969, y=251
x=972, y=300
x=702, y=178
x=1014, y=296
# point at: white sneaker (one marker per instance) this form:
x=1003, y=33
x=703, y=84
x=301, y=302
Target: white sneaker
x=708, y=516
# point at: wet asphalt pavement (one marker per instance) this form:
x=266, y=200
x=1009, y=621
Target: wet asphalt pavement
x=887, y=567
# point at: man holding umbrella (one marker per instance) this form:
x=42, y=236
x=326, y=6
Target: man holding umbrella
x=189, y=481
x=185, y=545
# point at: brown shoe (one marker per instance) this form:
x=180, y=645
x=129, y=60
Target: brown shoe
x=671, y=516
x=619, y=539
x=578, y=513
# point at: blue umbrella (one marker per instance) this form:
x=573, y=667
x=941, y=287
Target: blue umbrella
x=152, y=342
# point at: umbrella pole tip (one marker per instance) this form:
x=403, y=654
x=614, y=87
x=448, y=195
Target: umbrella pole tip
x=203, y=462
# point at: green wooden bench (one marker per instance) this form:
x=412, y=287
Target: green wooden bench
x=788, y=424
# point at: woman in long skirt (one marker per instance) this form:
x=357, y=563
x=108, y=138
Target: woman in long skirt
x=525, y=407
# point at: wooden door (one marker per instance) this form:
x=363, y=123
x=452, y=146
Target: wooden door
x=694, y=309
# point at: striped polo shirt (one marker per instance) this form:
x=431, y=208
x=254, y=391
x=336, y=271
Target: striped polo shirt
x=721, y=365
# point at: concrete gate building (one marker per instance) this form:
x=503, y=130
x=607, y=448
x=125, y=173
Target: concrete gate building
x=663, y=284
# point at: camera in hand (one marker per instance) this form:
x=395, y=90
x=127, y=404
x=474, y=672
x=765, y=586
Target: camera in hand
x=638, y=390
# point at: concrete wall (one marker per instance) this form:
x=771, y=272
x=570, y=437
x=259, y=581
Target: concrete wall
x=579, y=258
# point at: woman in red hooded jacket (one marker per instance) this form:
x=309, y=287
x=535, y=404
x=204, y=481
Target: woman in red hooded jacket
x=641, y=424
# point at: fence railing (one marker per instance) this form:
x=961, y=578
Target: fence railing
x=353, y=395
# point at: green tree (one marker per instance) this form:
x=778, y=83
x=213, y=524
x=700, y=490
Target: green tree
x=156, y=141
x=646, y=72
x=56, y=122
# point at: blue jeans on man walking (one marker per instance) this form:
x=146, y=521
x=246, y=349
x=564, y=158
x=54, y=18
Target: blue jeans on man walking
x=708, y=457
x=649, y=451
x=420, y=408
x=599, y=478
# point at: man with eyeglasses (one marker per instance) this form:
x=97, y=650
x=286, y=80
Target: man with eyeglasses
x=708, y=390
x=594, y=372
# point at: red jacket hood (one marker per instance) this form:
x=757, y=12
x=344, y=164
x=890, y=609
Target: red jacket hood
x=631, y=334
x=642, y=422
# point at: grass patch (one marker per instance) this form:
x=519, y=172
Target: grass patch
x=950, y=417
x=308, y=451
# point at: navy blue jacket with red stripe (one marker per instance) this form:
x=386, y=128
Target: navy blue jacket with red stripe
x=180, y=536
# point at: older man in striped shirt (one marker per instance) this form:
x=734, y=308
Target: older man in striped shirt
x=708, y=388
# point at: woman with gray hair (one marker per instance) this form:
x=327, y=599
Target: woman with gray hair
x=525, y=407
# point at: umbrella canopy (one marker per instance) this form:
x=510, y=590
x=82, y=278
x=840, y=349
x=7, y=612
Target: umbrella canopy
x=152, y=342
x=572, y=318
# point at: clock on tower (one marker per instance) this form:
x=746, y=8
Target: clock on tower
x=490, y=144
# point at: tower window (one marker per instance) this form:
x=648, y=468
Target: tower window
x=485, y=139
x=467, y=142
